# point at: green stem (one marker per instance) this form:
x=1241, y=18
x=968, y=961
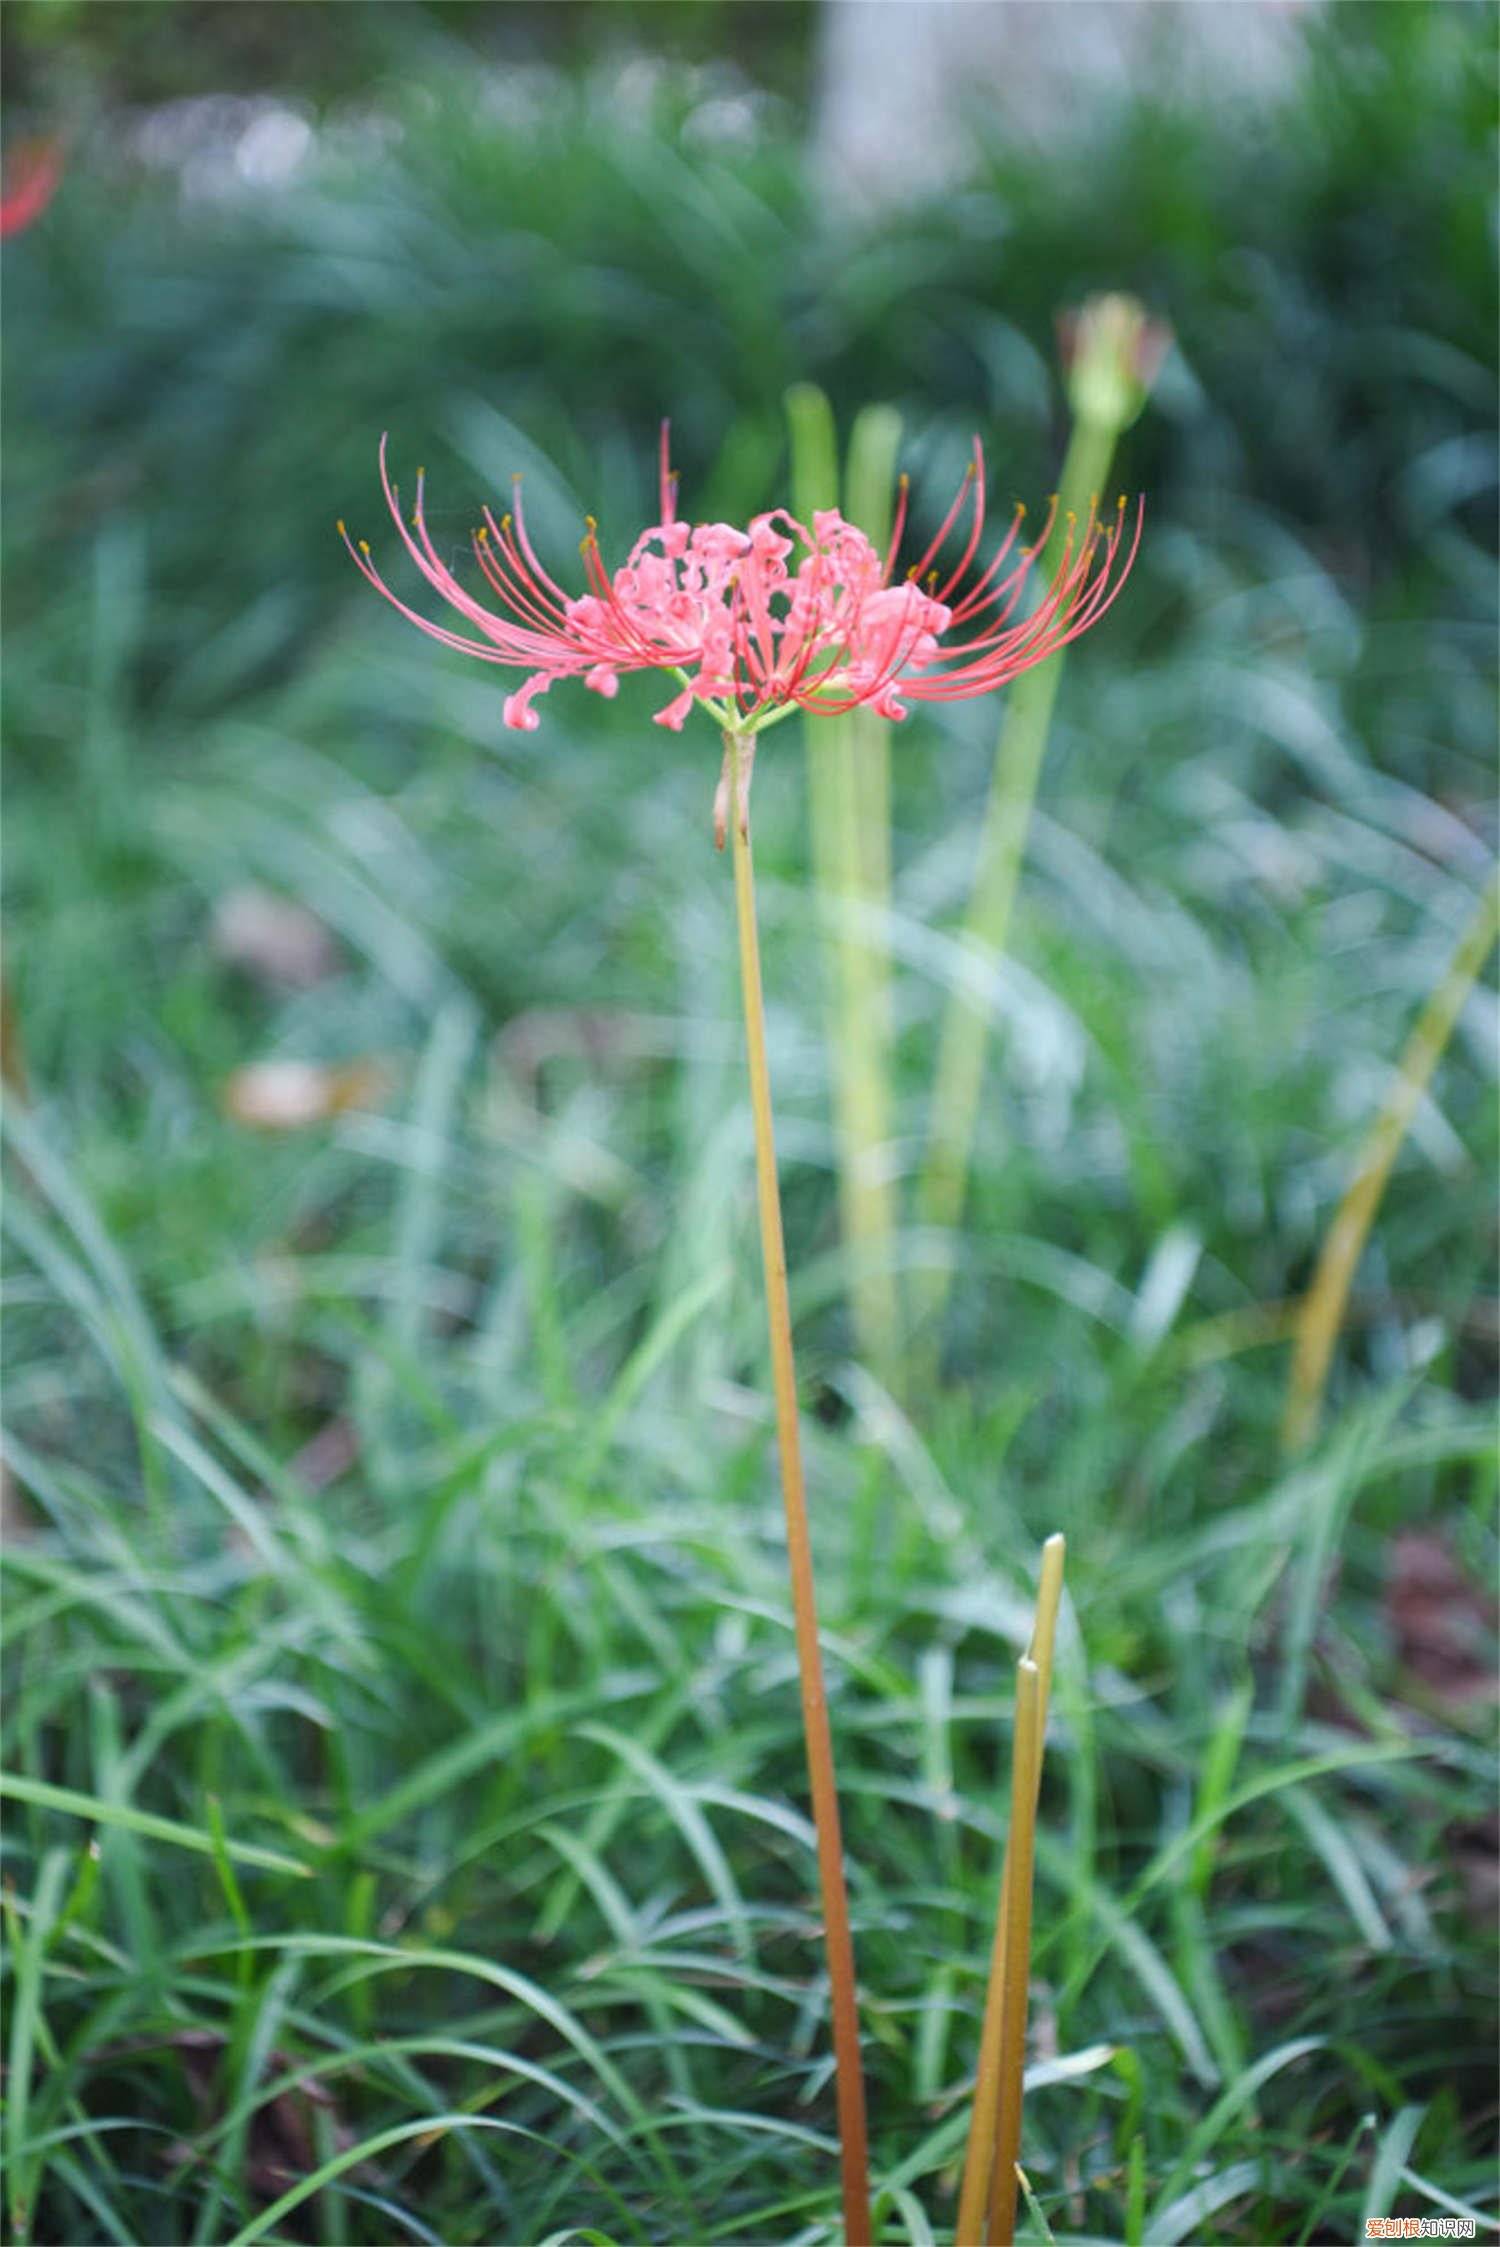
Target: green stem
x=1322, y=1312
x=848, y=2075
x=959, y=1079
x=849, y=786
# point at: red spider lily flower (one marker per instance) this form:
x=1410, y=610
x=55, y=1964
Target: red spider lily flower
x=753, y=624
x=31, y=177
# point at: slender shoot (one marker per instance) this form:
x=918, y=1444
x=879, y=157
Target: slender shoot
x=1000, y=2226
x=1002, y=2059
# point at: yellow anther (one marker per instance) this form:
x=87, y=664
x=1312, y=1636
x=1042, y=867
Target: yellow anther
x=342, y=532
x=364, y=546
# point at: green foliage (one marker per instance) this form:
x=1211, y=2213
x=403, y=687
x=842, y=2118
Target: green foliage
x=398, y=1670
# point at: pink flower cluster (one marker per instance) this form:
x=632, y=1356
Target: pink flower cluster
x=753, y=623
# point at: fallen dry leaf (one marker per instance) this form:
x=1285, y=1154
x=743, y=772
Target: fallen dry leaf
x=1442, y=1623
x=291, y=1095
x=327, y=1455
x=281, y=2148
x=273, y=939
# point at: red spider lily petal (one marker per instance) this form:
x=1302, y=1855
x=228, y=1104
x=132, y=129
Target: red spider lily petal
x=753, y=621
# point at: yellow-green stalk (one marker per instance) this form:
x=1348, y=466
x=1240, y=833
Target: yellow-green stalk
x=849, y=809
x=838, y=1939
x=1114, y=352
x=1322, y=1311
x=987, y=2203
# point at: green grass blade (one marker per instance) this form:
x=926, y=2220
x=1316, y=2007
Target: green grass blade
x=1391, y=2157
x=72, y=1804
x=26, y=2009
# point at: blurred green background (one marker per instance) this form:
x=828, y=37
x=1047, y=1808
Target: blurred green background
x=399, y=1480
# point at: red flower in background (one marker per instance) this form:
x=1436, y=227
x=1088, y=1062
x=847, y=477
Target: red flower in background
x=31, y=175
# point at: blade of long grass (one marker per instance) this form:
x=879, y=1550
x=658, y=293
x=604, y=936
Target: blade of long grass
x=1034, y=2208
x=684, y=1810
x=429, y=2128
x=1231, y=2102
x=1185, y=2219
x=1331, y=1842
x=1322, y=1310
x=25, y=2018
x=72, y=1804
x=1391, y=2157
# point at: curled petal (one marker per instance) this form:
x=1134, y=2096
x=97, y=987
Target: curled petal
x=518, y=712
x=676, y=711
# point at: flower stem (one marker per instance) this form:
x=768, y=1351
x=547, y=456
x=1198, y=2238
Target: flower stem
x=849, y=811
x=848, y=2076
x=1322, y=1312
x=964, y=1042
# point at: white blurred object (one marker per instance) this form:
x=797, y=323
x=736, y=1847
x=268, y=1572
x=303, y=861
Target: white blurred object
x=274, y=939
x=908, y=88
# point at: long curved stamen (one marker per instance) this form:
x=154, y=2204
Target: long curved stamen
x=419, y=546
x=538, y=574
x=367, y=569
x=971, y=547
x=898, y=525
x=920, y=568
x=984, y=592
x=989, y=661
x=504, y=567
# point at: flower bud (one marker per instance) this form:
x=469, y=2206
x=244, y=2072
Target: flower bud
x=1112, y=354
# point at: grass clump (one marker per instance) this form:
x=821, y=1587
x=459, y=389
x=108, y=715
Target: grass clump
x=399, y=1676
